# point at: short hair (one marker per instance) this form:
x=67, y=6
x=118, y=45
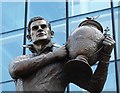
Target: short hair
x=35, y=19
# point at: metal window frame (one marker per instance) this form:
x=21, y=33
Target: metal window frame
x=67, y=34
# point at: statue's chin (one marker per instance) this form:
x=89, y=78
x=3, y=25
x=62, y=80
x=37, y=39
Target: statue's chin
x=41, y=40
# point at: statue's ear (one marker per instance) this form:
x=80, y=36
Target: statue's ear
x=52, y=33
x=29, y=37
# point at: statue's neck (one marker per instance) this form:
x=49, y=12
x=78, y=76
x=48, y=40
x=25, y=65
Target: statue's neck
x=42, y=47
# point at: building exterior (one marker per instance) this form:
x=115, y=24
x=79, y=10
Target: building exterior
x=15, y=15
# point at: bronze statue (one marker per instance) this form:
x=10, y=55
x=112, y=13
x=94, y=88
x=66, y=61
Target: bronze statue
x=43, y=70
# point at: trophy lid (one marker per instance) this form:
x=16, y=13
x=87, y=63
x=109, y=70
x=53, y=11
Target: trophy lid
x=92, y=22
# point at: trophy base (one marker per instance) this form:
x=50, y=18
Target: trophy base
x=78, y=69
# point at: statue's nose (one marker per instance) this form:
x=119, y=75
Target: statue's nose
x=40, y=30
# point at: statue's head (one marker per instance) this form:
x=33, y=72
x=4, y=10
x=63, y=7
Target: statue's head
x=39, y=29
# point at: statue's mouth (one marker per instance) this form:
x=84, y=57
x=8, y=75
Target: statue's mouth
x=41, y=34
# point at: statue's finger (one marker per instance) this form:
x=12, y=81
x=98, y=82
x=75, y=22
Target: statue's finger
x=107, y=43
x=109, y=40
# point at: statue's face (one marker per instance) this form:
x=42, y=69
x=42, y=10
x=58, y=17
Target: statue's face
x=40, y=30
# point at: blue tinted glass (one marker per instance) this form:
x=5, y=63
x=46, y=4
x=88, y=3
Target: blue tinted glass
x=11, y=48
x=110, y=84
x=8, y=87
x=117, y=29
x=116, y=3
x=59, y=29
x=117, y=33
x=119, y=72
x=48, y=10
x=12, y=15
x=86, y=6
x=74, y=87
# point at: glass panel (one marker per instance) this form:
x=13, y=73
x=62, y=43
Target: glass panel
x=59, y=29
x=48, y=10
x=118, y=42
x=0, y=67
x=116, y=3
x=11, y=48
x=8, y=87
x=74, y=87
x=110, y=84
x=117, y=29
x=12, y=15
x=119, y=72
x=81, y=7
x=0, y=17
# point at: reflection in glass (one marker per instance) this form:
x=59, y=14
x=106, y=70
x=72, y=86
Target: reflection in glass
x=48, y=10
x=59, y=29
x=11, y=48
x=81, y=7
x=12, y=15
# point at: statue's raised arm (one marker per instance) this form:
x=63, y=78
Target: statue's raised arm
x=86, y=46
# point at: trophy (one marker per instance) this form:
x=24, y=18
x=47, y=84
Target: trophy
x=83, y=46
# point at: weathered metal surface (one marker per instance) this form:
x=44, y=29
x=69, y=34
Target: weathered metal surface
x=83, y=46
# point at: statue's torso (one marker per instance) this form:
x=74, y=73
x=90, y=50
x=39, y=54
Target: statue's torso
x=47, y=78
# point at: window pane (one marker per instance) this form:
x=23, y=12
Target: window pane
x=8, y=87
x=117, y=30
x=12, y=15
x=110, y=84
x=86, y=6
x=48, y=10
x=74, y=87
x=119, y=72
x=59, y=29
x=116, y=3
x=11, y=47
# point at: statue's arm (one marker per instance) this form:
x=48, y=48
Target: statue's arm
x=96, y=83
x=26, y=65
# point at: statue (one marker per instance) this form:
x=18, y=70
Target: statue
x=43, y=69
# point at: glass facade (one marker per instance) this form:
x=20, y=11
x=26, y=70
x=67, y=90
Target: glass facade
x=12, y=31
x=12, y=15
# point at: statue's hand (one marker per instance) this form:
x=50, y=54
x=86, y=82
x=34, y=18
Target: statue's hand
x=108, y=44
x=60, y=52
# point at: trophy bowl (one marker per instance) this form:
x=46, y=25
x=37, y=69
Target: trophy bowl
x=83, y=47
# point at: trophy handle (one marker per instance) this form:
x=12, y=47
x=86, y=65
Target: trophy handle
x=78, y=69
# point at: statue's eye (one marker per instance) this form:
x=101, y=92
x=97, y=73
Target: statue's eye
x=43, y=26
x=35, y=28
